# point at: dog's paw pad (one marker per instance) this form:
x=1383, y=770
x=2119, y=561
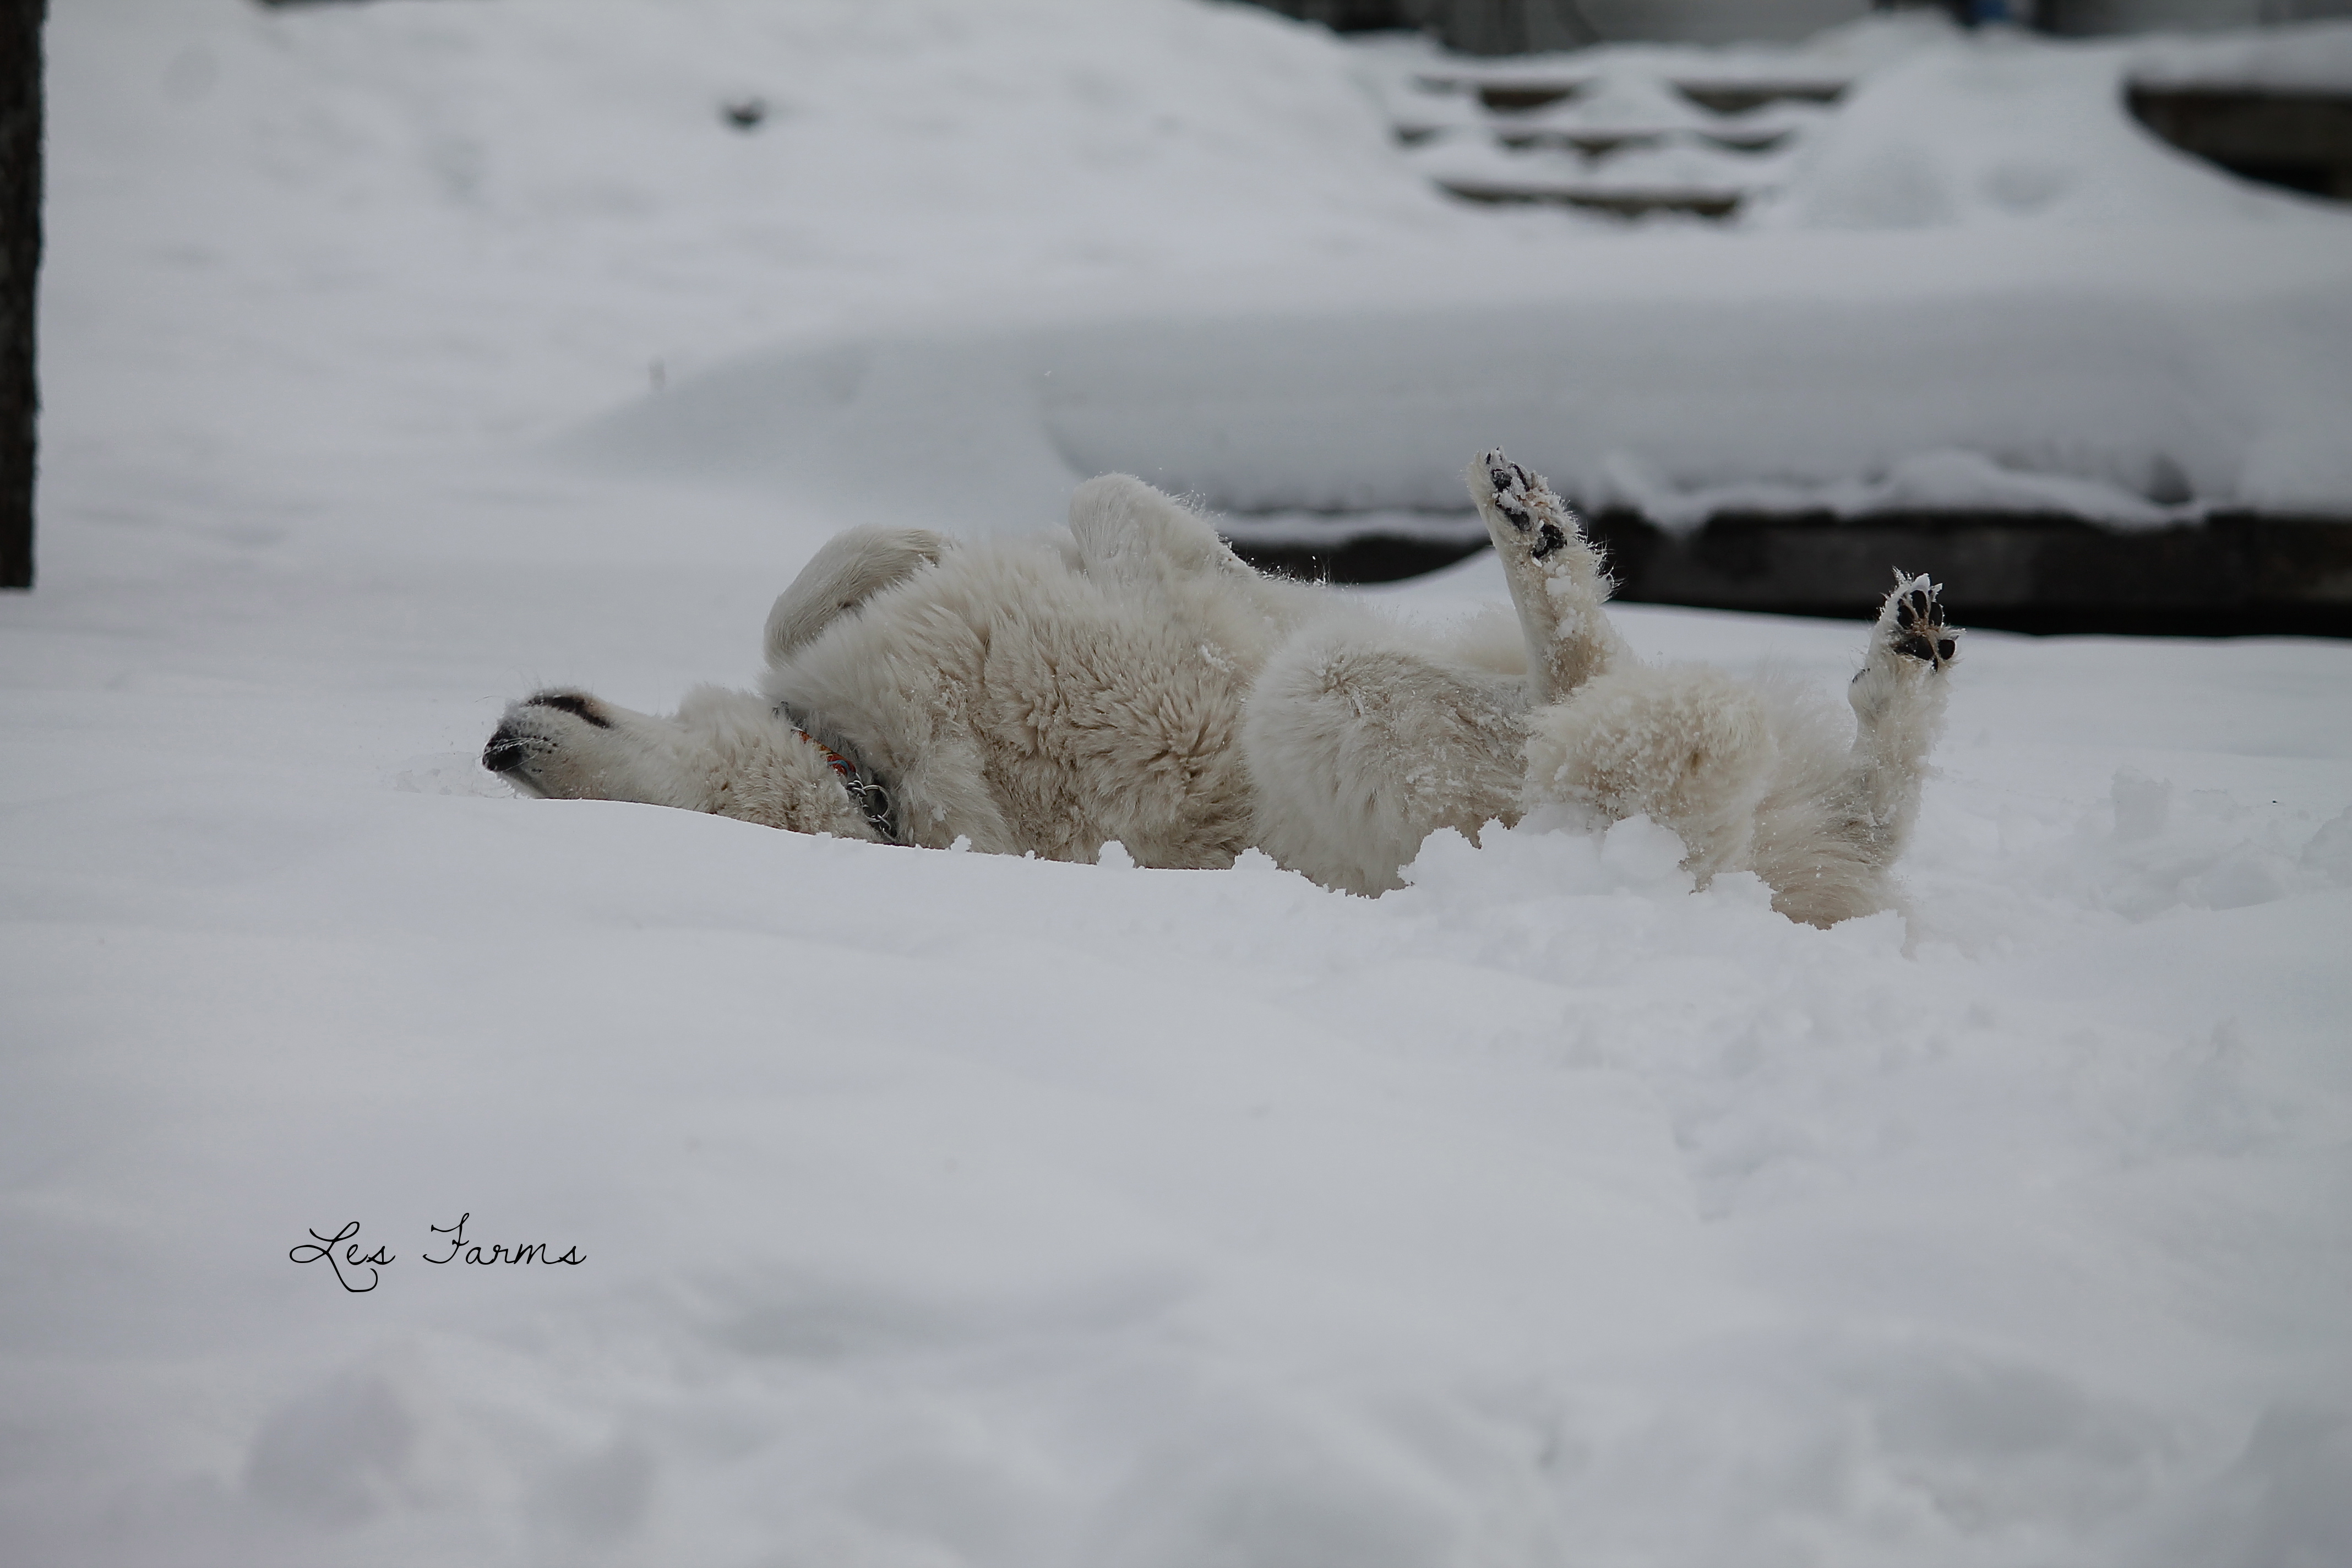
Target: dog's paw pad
x=1513, y=488
x=1540, y=523
x=1915, y=629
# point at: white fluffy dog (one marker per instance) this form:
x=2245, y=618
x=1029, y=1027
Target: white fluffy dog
x=1136, y=682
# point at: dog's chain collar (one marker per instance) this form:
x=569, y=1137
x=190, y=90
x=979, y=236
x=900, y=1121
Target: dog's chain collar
x=865, y=789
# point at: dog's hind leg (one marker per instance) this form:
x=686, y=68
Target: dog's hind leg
x=1689, y=747
x=851, y=568
x=1898, y=704
x=1557, y=582
x=1360, y=744
x=1829, y=834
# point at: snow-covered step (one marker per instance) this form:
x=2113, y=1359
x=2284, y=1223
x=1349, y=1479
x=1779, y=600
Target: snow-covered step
x=1589, y=129
x=1522, y=91
x=1609, y=132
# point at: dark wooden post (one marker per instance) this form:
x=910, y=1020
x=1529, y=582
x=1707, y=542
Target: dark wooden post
x=20, y=265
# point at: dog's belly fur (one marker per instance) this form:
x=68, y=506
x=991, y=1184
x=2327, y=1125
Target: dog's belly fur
x=1017, y=701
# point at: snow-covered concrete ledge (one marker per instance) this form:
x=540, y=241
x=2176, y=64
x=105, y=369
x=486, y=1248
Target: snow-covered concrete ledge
x=1857, y=376
x=2231, y=574
x=2045, y=373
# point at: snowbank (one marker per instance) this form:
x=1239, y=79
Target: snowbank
x=1981, y=287
x=2044, y=373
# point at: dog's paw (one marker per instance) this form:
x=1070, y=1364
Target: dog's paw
x=1540, y=522
x=1912, y=623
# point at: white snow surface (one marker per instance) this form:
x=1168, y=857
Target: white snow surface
x=941, y=1209
x=1979, y=285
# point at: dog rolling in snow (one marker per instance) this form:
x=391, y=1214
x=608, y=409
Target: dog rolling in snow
x=1137, y=681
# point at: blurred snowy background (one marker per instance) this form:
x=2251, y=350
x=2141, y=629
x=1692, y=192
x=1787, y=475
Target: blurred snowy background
x=942, y=1210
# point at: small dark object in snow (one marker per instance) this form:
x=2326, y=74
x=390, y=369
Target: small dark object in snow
x=744, y=113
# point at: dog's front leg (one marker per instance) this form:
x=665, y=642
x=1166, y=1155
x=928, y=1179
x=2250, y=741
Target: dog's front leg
x=1557, y=582
x=846, y=571
x=1132, y=536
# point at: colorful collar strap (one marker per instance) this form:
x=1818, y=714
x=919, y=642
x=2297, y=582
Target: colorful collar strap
x=866, y=788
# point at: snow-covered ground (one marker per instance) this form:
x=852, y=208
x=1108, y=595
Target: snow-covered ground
x=1977, y=284
x=939, y=1209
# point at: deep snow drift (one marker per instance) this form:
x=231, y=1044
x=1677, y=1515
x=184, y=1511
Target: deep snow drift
x=939, y=1209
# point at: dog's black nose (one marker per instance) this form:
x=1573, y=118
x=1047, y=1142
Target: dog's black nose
x=504, y=753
